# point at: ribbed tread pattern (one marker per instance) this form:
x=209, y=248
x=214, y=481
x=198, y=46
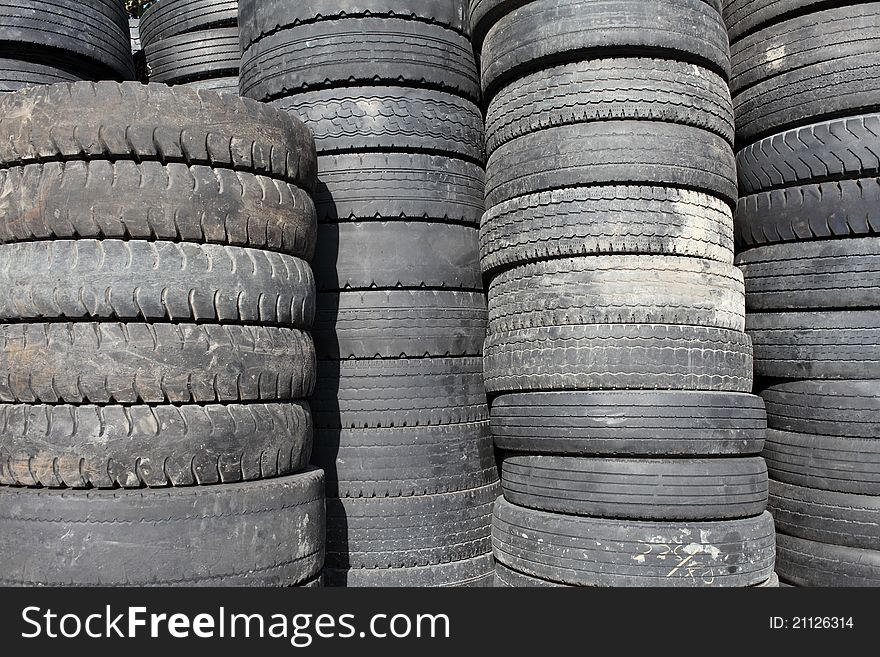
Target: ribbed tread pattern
x=192, y=56
x=612, y=152
x=837, y=463
x=382, y=186
x=172, y=17
x=810, y=345
x=406, y=532
x=809, y=563
x=400, y=323
x=405, y=461
x=630, y=423
x=468, y=573
x=636, y=488
x=834, y=408
x=601, y=552
x=399, y=392
x=366, y=50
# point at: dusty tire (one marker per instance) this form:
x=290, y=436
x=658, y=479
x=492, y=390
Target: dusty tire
x=102, y=363
x=266, y=533
x=834, y=274
x=131, y=447
x=469, y=573
x=16, y=74
x=808, y=563
x=166, y=281
x=194, y=56
x=835, y=463
x=172, y=17
x=407, y=532
x=131, y=121
x=605, y=219
x=637, y=488
x=153, y=201
x=816, y=345
x=405, y=461
x=630, y=423
x=598, y=552
x=627, y=356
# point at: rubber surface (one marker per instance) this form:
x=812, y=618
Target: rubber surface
x=808, y=563
x=631, y=423
x=599, y=552
x=476, y=573
x=131, y=447
x=131, y=121
x=193, y=56
x=172, y=17
x=266, y=533
x=637, y=488
x=123, y=199
x=834, y=408
x=110, y=362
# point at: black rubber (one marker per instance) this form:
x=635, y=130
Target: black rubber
x=617, y=289
x=138, y=280
x=838, y=208
x=131, y=121
x=507, y=578
x=745, y=16
x=630, y=423
x=16, y=74
x=399, y=392
x=362, y=256
x=469, y=573
x=812, y=66
x=406, y=532
x=390, y=118
x=623, y=356
x=124, y=199
x=109, y=362
x=259, y=17
x=605, y=219
x=404, y=461
x=599, y=552
x=194, y=56
x=612, y=152
x=382, y=186
x=398, y=323
x=808, y=563
x=545, y=31
x=834, y=150
x=836, y=463
x=93, y=36
x=813, y=275
x=610, y=89
x=815, y=345
x=172, y=17
x=362, y=50
x=187, y=532
x=637, y=488
x=131, y=447
x=833, y=408
x=826, y=517
x=222, y=85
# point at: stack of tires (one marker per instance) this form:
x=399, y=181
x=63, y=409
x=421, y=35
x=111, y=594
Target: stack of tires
x=47, y=42
x=616, y=356
x=154, y=359
x=806, y=89
x=192, y=42
x=389, y=89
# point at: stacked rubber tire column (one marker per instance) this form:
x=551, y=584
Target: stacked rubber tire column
x=192, y=42
x=389, y=90
x=52, y=41
x=616, y=356
x=154, y=354
x=806, y=89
